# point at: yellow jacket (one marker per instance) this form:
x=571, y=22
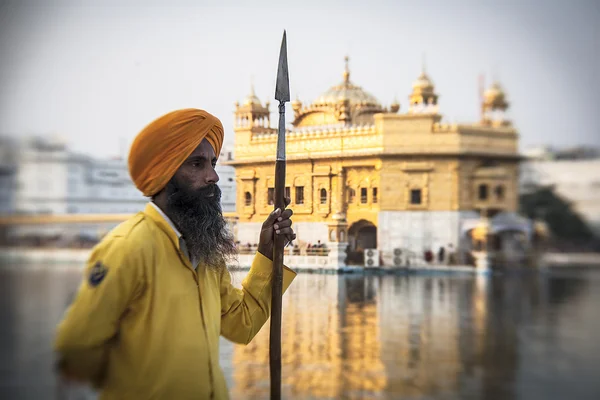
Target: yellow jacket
x=146, y=325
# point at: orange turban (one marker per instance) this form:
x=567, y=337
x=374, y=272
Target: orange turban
x=161, y=147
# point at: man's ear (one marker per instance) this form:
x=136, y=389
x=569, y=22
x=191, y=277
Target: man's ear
x=158, y=197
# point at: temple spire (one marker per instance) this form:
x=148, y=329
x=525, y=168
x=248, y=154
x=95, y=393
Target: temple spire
x=346, y=70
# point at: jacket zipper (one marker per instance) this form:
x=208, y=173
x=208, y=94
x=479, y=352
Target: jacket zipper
x=210, y=371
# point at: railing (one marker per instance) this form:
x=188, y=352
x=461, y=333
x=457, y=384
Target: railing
x=292, y=261
x=316, y=251
x=43, y=256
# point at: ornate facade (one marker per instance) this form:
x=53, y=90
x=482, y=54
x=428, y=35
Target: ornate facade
x=361, y=173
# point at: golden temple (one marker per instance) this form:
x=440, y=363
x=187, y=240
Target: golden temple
x=375, y=177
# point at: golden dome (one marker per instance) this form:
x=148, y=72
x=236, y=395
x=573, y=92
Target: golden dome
x=495, y=98
x=355, y=94
x=423, y=83
x=252, y=99
x=296, y=104
x=346, y=91
x=423, y=94
x=494, y=93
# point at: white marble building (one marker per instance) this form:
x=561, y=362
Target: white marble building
x=52, y=180
x=7, y=176
x=41, y=176
x=422, y=230
x=226, y=181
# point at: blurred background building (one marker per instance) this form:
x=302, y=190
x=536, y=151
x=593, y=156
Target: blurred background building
x=562, y=187
x=226, y=180
x=47, y=178
x=7, y=176
x=41, y=176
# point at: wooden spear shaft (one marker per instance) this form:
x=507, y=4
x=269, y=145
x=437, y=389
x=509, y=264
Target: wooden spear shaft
x=275, y=338
x=282, y=94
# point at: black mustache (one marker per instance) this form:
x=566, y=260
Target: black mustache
x=210, y=189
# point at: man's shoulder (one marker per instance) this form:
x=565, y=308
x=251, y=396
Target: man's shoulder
x=129, y=235
x=122, y=249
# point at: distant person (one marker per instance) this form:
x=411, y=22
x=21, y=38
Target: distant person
x=451, y=255
x=156, y=296
x=428, y=255
x=441, y=255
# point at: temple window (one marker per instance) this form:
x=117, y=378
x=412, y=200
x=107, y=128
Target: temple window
x=363, y=195
x=499, y=192
x=300, y=195
x=323, y=196
x=415, y=196
x=374, y=195
x=351, y=195
x=247, y=199
x=483, y=192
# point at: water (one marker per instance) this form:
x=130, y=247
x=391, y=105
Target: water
x=517, y=336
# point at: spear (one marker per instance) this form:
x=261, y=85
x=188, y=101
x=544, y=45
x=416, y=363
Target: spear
x=282, y=94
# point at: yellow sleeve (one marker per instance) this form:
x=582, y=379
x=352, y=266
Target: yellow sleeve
x=112, y=279
x=244, y=311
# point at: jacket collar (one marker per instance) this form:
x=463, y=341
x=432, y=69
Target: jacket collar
x=164, y=223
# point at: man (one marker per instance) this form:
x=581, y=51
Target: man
x=441, y=255
x=157, y=294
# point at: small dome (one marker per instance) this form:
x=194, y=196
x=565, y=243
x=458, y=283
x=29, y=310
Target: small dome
x=395, y=106
x=494, y=98
x=423, y=83
x=423, y=98
x=494, y=93
x=252, y=99
x=296, y=104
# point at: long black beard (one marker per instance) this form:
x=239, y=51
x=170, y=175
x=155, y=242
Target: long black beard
x=200, y=219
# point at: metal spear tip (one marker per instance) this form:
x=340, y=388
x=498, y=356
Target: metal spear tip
x=282, y=90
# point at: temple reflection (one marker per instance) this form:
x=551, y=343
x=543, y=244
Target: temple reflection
x=330, y=348
x=373, y=337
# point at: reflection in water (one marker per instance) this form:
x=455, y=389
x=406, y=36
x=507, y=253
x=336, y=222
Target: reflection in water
x=32, y=301
x=330, y=343
x=518, y=336
x=421, y=337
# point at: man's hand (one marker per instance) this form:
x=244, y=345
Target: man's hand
x=277, y=223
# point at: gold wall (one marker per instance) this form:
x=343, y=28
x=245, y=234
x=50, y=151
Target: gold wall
x=397, y=154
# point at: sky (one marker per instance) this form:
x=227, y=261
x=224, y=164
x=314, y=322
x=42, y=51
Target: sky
x=95, y=72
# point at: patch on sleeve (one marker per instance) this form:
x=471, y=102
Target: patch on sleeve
x=97, y=274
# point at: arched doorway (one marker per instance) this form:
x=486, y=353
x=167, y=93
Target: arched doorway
x=361, y=235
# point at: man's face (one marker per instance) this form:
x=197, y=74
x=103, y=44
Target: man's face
x=198, y=170
x=193, y=203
